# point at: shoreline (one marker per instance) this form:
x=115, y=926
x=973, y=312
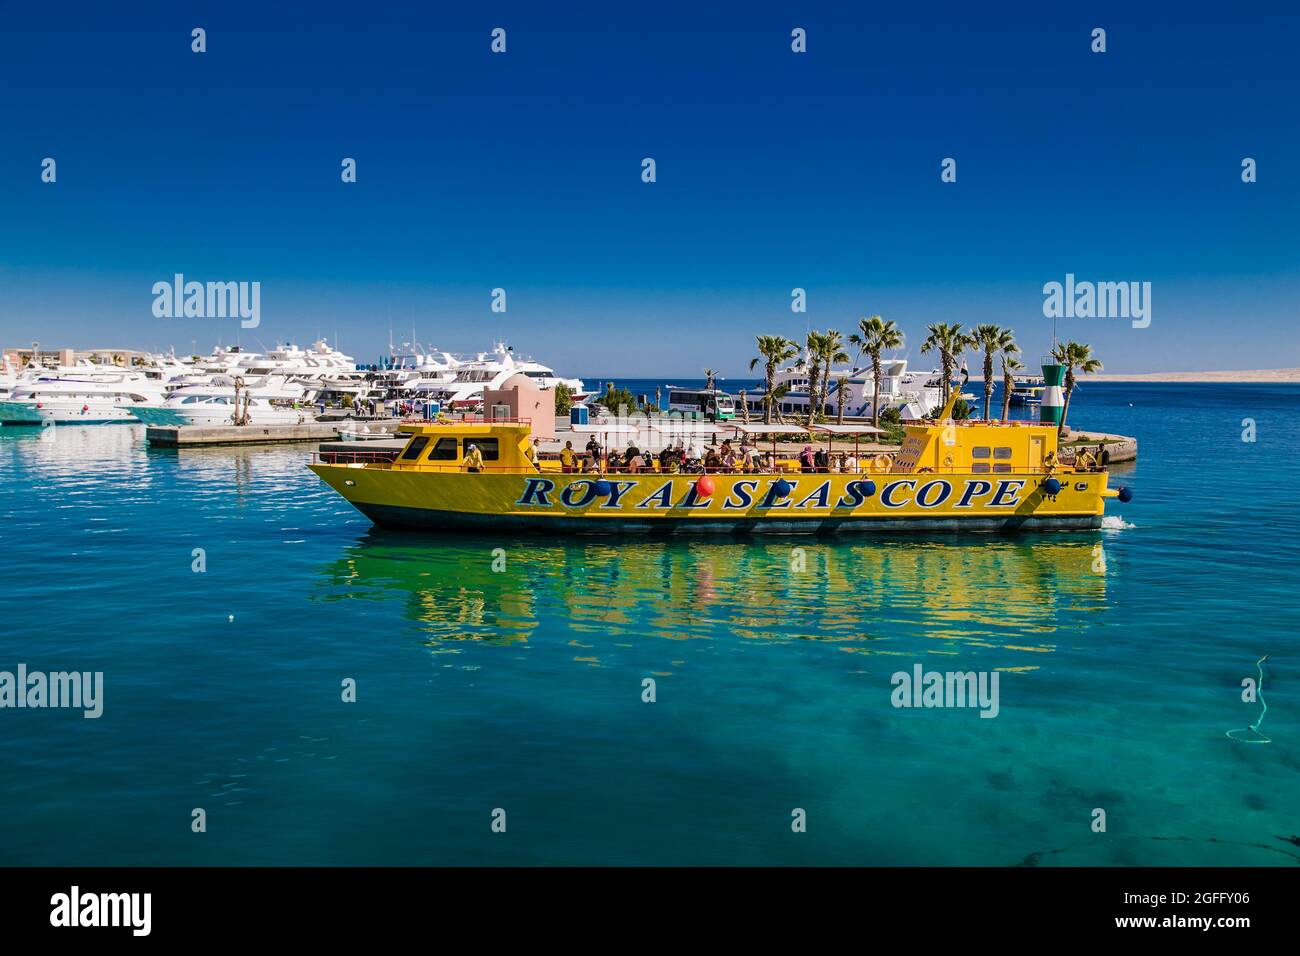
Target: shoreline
x=1256, y=376
x=1252, y=376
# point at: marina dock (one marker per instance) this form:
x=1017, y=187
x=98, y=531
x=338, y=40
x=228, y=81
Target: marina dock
x=197, y=436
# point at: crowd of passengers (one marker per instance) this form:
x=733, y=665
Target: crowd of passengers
x=681, y=458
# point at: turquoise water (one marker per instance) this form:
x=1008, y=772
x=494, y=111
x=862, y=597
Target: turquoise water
x=1120, y=655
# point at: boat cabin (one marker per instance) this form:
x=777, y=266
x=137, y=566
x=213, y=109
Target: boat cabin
x=976, y=447
x=443, y=446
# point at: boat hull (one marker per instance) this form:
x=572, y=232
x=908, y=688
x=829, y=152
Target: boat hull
x=61, y=413
x=739, y=505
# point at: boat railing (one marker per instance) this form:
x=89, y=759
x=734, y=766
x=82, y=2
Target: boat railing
x=387, y=459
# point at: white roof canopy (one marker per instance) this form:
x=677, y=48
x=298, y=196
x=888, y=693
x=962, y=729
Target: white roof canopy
x=846, y=429
x=761, y=429
x=613, y=428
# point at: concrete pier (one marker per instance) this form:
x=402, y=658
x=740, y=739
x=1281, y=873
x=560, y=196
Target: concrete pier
x=197, y=436
x=1121, y=447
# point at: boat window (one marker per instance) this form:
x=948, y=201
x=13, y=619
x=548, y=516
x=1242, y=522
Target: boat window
x=490, y=447
x=1002, y=453
x=981, y=451
x=445, y=450
x=980, y=467
x=416, y=446
x=1001, y=469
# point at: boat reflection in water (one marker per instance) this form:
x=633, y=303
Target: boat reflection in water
x=905, y=597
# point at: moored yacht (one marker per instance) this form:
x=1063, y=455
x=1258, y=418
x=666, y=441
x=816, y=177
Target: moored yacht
x=491, y=370
x=224, y=401
x=916, y=395
x=64, y=400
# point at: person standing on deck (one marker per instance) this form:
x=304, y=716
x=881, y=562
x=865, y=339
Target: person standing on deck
x=473, y=460
x=568, y=458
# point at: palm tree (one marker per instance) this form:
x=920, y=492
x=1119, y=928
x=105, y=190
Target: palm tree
x=774, y=402
x=709, y=375
x=812, y=359
x=842, y=387
x=991, y=339
x=830, y=350
x=1074, y=355
x=1009, y=368
x=949, y=341
x=773, y=351
x=874, y=336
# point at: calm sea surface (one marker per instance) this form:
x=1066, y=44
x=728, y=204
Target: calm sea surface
x=1120, y=656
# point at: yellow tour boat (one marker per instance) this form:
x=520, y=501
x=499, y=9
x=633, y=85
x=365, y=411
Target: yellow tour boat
x=947, y=476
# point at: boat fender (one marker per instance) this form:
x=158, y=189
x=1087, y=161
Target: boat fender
x=1125, y=495
x=703, y=486
x=1051, y=487
x=865, y=487
x=782, y=488
x=602, y=488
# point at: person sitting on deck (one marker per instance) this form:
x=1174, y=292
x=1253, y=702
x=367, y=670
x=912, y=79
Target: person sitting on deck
x=473, y=460
x=614, y=462
x=632, y=459
x=849, y=465
x=568, y=458
x=807, y=460
x=728, y=456
x=821, y=460
x=647, y=461
x=712, y=461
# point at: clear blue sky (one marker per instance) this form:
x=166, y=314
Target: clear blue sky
x=775, y=170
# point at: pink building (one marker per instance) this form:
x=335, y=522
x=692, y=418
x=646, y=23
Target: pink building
x=519, y=397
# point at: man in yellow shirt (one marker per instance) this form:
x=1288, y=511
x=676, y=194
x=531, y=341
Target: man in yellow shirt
x=568, y=457
x=473, y=459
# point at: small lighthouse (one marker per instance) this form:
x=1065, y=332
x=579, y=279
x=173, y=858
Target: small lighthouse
x=1053, y=394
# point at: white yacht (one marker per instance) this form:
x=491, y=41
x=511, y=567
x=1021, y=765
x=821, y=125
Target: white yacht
x=491, y=370
x=414, y=372
x=9, y=377
x=272, y=400
x=916, y=395
x=318, y=362
x=69, y=400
